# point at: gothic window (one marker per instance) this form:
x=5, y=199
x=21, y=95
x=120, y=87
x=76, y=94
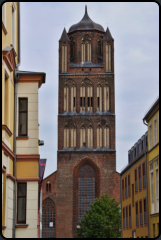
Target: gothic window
x=86, y=130
x=99, y=47
x=72, y=48
x=86, y=189
x=103, y=134
x=70, y=132
x=108, y=57
x=48, y=218
x=86, y=48
x=64, y=58
x=48, y=187
x=102, y=95
x=86, y=91
x=70, y=90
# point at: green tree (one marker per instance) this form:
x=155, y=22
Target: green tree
x=103, y=220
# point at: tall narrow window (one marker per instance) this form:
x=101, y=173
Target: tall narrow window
x=66, y=99
x=141, y=217
x=126, y=216
x=155, y=131
x=139, y=170
x=82, y=98
x=86, y=48
x=66, y=137
x=106, y=136
x=90, y=98
x=90, y=137
x=73, y=98
x=152, y=188
x=86, y=189
x=150, y=136
x=129, y=184
x=123, y=189
x=130, y=215
x=135, y=172
x=126, y=186
x=144, y=180
x=48, y=187
x=145, y=212
x=99, y=136
x=64, y=58
x=86, y=130
x=72, y=48
x=132, y=195
x=86, y=95
x=106, y=98
x=157, y=185
x=82, y=136
x=21, y=202
x=23, y=112
x=73, y=137
x=108, y=57
x=136, y=209
x=99, y=98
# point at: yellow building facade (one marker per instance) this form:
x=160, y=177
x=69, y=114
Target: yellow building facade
x=151, y=119
x=20, y=133
x=133, y=189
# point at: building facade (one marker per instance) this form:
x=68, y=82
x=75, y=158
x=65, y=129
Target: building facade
x=86, y=156
x=133, y=189
x=151, y=119
x=20, y=133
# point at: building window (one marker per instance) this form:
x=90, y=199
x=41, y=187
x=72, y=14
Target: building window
x=130, y=215
x=152, y=188
x=86, y=95
x=13, y=26
x=139, y=170
x=86, y=130
x=86, y=48
x=157, y=185
x=140, y=208
x=136, y=209
x=69, y=95
x=108, y=57
x=133, y=195
x=129, y=185
x=126, y=216
x=70, y=133
x=150, y=136
x=123, y=189
x=145, y=212
x=135, y=173
x=72, y=48
x=66, y=99
x=155, y=132
x=103, y=134
x=86, y=189
x=64, y=58
x=126, y=187
x=23, y=116
x=21, y=202
x=99, y=48
x=144, y=180
x=48, y=187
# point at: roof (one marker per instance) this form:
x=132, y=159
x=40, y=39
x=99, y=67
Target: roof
x=151, y=109
x=86, y=24
x=32, y=73
x=107, y=36
x=64, y=37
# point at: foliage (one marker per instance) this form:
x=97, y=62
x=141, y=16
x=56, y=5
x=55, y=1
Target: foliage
x=103, y=220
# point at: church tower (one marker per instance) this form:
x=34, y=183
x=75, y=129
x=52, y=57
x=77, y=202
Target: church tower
x=86, y=156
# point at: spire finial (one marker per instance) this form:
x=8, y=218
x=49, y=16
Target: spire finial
x=85, y=9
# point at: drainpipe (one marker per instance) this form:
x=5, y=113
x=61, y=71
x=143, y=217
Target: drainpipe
x=147, y=196
x=120, y=205
x=14, y=164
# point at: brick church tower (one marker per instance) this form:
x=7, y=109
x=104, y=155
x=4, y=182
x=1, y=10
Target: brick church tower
x=86, y=156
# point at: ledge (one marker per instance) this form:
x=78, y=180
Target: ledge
x=3, y=170
x=4, y=29
x=7, y=130
x=7, y=150
x=28, y=179
x=21, y=225
x=11, y=177
x=153, y=147
x=154, y=214
x=22, y=138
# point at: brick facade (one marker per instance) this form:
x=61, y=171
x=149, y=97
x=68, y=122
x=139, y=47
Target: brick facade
x=64, y=182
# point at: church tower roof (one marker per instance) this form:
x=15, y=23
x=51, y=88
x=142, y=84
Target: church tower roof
x=86, y=24
x=107, y=36
x=64, y=37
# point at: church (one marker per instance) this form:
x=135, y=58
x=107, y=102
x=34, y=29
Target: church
x=86, y=156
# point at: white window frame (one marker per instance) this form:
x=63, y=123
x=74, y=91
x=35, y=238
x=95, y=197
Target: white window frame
x=155, y=131
x=152, y=199
x=150, y=135
x=157, y=199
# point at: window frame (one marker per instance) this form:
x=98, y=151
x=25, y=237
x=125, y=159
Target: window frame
x=141, y=212
x=136, y=182
x=129, y=185
x=145, y=206
x=143, y=171
x=23, y=135
x=127, y=222
x=25, y=196
x=130, y=225
x=137, y=212
x=123, y=218
x=139, y=173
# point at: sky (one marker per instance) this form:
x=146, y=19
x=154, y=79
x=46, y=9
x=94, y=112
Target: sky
x=135, y=29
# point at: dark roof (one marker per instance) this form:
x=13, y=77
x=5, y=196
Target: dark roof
x=64, y=37
x=107, y=36
x=19, y=72
x=151, y=108
x=86, y=24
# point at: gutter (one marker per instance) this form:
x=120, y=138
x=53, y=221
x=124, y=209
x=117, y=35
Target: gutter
x=14, y=164
x=144, y=122
x=19, y=61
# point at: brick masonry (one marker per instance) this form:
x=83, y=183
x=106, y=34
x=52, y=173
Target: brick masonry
x=64, y=182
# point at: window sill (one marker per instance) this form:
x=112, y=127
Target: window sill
x=22, y=138
x=23, y=225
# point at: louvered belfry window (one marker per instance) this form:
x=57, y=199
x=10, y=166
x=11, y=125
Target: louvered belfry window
x=86, y=188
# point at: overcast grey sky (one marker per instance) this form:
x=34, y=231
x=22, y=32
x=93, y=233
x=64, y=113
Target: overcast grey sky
x=135, y=29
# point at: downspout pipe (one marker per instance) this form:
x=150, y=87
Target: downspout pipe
x=147, y=195
x=14, y=164
x=121, y=205
x=144, y=122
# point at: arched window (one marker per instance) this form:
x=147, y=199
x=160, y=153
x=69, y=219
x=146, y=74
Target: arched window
x=86, y=88
x=72, y=48
x=86, y=189
x=86, y=130
x=69, y=93
x=48, y=187
x=102, y=95
x=103, y=134
x=70, y=132
x=86, y=48
x=48, y=218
